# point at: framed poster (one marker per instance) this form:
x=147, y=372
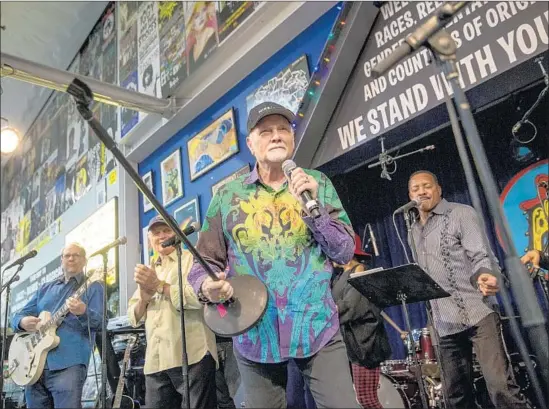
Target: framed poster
x=148, y=180
x=230, y=15
x=170, y=176
x=286, y=88
x=213, y=145
x=187, y=214
x=200, y=32
x=242, y=171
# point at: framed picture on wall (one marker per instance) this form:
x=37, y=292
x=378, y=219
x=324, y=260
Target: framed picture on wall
x=148, y=180
x=286, y=88
x=242, y=171
x=213, y=145
x=170, y=175
x=186, y=214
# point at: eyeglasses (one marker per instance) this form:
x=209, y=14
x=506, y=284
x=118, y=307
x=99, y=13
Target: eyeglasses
x=74, y=255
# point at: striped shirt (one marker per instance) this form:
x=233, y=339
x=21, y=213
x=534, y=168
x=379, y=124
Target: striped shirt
x=450, y=248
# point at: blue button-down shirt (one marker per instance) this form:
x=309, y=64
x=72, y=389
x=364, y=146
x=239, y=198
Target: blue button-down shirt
x=75, y=344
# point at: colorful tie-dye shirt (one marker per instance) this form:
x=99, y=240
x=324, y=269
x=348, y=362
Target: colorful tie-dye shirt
x=256, y=230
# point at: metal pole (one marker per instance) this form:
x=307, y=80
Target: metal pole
x=59, y=80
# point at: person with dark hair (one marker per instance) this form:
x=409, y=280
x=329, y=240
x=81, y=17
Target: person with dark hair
x=451, y=248
x=362, y=328
x=62, y=380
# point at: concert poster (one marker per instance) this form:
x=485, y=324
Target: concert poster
x=201, y=32
x=147, y=28
x=38, y=220
x=149, y=74
x=127, y=14
x=50, y=168
x=128, y=51
x=129, y=117
x=91, y=49
x=109, y=26
x=109, y=119
x=230, y=15
x=173, y=62
x=96, y=68
x=287, y=88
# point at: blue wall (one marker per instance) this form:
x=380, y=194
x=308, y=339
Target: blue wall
x=310, y=42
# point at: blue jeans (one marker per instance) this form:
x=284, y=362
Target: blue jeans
x=57, y=389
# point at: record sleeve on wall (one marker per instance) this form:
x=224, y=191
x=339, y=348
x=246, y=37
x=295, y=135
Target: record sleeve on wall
x=173, y=62
x=287, y=88
x=148, y=180
x=230, y=15
x=109, y=25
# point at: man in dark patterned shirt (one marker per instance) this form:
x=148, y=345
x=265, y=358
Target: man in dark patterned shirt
x=258, y=225
x=451, y=249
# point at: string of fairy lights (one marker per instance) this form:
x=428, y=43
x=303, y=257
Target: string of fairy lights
x=323, y=66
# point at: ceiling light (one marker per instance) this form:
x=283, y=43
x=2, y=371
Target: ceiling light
x=9, y=139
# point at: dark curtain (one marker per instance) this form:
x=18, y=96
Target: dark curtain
x=371, y=199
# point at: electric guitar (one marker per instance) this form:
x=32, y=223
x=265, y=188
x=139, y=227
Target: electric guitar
x=121, y=401
x=28, y=351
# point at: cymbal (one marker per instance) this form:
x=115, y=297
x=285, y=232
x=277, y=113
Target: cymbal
x=249, y=304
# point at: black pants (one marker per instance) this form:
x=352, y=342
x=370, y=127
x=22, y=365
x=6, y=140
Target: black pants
x=227, y=377
x=456, y=353
x=164, y=389
x=326, y=373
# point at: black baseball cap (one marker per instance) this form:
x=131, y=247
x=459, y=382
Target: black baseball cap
x=264, y=109
x=156, y=220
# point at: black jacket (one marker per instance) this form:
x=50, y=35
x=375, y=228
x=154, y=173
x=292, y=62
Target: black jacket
x=360, y=322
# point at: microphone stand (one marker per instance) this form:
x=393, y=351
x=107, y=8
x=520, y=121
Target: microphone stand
x=7, y=287
x=105, y=257
x=432, y=35
x=83, y=98
x=184, y=367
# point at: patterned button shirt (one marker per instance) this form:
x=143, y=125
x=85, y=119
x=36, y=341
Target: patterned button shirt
x=259, y=231
x=451, y=250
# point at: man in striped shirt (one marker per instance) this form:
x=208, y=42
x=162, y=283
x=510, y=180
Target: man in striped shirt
x=451, y=249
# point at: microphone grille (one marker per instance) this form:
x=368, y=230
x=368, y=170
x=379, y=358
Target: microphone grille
x=33, y=253
x=195, y=225
x=123, y=240
x=287, y=166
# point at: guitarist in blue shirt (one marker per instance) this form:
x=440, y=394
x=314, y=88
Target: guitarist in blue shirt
x=61, y=383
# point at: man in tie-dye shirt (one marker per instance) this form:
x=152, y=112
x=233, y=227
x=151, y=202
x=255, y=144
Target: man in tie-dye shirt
x=258, y=225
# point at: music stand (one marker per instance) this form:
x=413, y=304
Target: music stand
x=399, y=286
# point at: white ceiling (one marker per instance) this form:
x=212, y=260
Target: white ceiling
x=50, y=33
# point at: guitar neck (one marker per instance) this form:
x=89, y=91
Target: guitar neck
x=60, y=314
x=122, y=379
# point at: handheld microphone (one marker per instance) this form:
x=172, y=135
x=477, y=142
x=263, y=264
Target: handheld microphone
x=410, y=205
x=373, y=240
x=119, y=241
x=190, y=229
x=288, y=166
x=21, y=260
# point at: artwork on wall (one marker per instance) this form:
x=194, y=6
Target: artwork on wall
x=187, y=214
x=242, y=171
x=287, y=88
x=230, y=14
x=173, y=60
x=148, y=180
x=148, y=252
x=201, y=32
x=171, y=178
x=216, y=143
